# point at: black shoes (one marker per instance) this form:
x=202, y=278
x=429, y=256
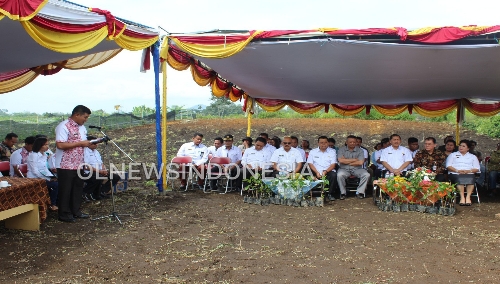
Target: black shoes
x=81, y=216
x=342, y=196
x=331, y=198
x=67, y=220
x=360, y=196
x=85, y=198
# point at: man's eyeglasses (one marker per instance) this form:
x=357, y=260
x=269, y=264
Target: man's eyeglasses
x=287, y=143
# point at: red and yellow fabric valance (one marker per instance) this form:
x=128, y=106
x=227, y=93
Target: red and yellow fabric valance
x=178, y=54
x=20, y=10
x=11, y=81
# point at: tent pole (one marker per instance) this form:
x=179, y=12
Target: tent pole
x=460, y=118
x=164, y=122
x=156, y=68
x=249, y=124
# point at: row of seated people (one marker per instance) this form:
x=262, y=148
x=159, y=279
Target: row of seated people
x=337, y=166
x=457, y=165
x=40, y=163
x=461, y=163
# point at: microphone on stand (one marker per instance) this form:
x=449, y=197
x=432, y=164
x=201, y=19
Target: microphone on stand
x=96, y=127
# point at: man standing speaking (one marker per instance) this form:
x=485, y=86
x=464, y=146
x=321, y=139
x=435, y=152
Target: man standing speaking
x=71, y=139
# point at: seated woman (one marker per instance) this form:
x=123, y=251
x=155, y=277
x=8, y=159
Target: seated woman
x=450, y=147
x=37, y=168
x=462, y=166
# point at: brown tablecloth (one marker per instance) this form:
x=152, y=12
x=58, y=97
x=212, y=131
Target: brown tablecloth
x=25, y=191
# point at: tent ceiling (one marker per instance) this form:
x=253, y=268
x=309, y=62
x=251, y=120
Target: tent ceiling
x=356, y=72
x=18, y=50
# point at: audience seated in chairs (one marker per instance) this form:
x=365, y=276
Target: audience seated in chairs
x=37, y=168
x=217, y=144
x=256, y=159
x=199, y=153
x=247, y=143
x=462, y=166
x=232, y=170
x=97, y=182
x=351, y=159
x=7, y=148
x=322, y=162
x=432, y=159
x=286, y=159
x=295, y=144
x=20, y=156
x=396, y=158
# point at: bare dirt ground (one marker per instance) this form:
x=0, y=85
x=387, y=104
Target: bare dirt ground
x=211, y=238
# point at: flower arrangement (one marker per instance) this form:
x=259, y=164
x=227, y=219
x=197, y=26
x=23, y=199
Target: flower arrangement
x=419, y=187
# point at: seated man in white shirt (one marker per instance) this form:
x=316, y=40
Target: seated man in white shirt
x=256, y=160
x=413, y=147
x=98, y=177
x=287, y=158
x=322, y=162
x=396, y=158
x=232, y=170
x=385, y=142
x=20, y=156
x=217, y=144
x=295, y=144
x=268, y=147
x=351, y=159
x=199, y=153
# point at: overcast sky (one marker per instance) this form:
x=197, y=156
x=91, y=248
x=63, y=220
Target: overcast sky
x=119, y=82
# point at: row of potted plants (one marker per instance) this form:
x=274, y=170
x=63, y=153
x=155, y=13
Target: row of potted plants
x=418, y=191
x=258, y=192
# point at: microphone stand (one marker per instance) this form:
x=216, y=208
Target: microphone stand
x=114, y=213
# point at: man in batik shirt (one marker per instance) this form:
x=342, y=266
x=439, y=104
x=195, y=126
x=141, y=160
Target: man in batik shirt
x=431, y=158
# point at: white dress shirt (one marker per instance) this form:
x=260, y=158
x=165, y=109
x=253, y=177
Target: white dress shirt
x=322, y=160
x=256, y=158
x=378, y=153
x=15, y=160
x=93, y=158
x=396, y=157
x=288, y=159
x=462, y=162
x=212, y=150
x=302, y=153
x=199, y=153
x=270, y=148
x=37, y=166
x=234, y=153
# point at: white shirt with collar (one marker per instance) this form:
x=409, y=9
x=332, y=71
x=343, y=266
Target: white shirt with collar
x=270, y=148
x=37, y=166
x=322, y=160
x=15, y=160
x=256, y=158
x=378, y=153
x=199, y=153
x=234, y=153
x=302, y=153
x=212, y=150
x=290, y=158
x=396, y=157
x=462, y=162
x=93, y=158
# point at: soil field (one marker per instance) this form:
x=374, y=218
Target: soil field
x=191, y=237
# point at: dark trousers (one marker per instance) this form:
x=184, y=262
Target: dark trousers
x=53, y=187
x=70, y=193
x=332, y=182
x=95, y=185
